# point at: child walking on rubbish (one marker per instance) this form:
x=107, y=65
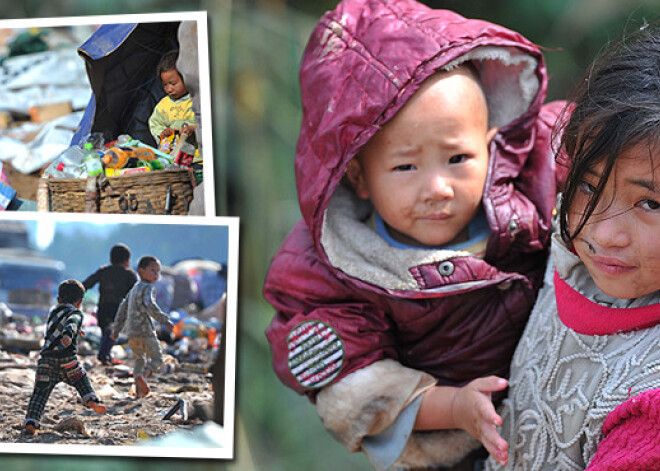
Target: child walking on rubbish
x=135, y=318
x=58, y=360
x=427, y=184
x=115, y=281
x=585, y=378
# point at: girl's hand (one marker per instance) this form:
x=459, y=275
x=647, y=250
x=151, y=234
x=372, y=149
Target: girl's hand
x=473, y=411
x=166, y=133
x=66, y=340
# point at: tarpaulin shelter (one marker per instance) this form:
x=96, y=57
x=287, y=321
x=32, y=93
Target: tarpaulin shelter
x=121, y=61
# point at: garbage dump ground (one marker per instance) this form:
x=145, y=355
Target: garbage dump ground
x=181, y=398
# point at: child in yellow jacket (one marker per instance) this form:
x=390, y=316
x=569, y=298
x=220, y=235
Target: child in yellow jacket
x=174, y=112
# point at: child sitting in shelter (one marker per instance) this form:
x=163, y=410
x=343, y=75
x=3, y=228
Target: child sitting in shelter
x=135, y=315
x=173, y=115
x=58, y=358
x=585, y=378
x=427, y=184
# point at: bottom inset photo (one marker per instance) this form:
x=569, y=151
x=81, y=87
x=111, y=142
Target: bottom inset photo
x=118, y=335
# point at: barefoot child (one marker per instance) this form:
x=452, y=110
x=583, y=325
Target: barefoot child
x=135, y=318
x=585, y=377
x=58, y=359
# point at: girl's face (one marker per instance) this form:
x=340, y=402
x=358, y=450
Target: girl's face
x=620, y=243
x=173, y=84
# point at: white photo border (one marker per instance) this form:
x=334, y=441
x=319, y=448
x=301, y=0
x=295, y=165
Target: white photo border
x=224, y=452
x=201, y=17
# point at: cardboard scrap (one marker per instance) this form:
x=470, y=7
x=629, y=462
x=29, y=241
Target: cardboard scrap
x=41, y=113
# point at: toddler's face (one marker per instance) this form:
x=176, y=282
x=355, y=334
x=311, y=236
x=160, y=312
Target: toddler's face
x=173, y=84
x=425, y=170
x=150, y=273
x=619, y=243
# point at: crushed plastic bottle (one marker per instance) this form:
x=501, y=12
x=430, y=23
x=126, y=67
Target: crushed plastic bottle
x=68, y=164
x=64, y=171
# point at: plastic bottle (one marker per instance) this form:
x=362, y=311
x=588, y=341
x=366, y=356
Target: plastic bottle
x=67, y=164
x=91, y=161
x=119, y=157
x=154, y=164
x=64, y=171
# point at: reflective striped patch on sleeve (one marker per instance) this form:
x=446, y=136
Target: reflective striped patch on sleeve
x=316, y=354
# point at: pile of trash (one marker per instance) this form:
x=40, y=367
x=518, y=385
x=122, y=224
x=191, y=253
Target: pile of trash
x=39, y=109
x=179, y=408
x=18, y=333
x=179, y=402
x=192, y=346
x=121, y=156
x=191, y=291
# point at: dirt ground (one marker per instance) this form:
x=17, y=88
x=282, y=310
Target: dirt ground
x=25, y=185
x=127, y=419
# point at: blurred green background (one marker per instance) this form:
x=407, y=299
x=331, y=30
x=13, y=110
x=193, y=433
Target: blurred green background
x=255, y=49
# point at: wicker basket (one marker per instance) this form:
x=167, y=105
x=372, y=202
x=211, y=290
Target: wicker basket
x=158, y=192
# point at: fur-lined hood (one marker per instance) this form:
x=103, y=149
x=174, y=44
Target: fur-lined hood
x=363, y=62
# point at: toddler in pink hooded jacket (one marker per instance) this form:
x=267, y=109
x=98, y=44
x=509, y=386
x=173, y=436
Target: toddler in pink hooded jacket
x=426, y=183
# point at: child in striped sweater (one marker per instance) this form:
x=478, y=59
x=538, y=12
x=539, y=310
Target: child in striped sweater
x=58, y=359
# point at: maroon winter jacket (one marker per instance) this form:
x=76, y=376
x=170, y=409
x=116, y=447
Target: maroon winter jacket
x=344, y=298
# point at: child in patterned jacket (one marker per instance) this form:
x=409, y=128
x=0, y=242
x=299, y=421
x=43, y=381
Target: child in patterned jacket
x=58, y=357
x=135, y=318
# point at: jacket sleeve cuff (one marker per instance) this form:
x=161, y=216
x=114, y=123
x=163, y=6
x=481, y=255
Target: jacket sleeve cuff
x=374, y=410
x=369, y=400
x=385, y=448
x=402, y=448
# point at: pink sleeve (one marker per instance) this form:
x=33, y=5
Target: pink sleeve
x=631, y=435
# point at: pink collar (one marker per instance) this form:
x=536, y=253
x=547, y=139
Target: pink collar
x=587, y=317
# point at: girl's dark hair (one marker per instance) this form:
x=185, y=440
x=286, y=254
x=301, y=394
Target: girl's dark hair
x=616, y=106
x=167, y=62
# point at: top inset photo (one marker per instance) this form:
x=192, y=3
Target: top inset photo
x=104, y=114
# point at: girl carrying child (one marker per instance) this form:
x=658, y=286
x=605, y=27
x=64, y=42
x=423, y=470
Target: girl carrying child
x=585, y=378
